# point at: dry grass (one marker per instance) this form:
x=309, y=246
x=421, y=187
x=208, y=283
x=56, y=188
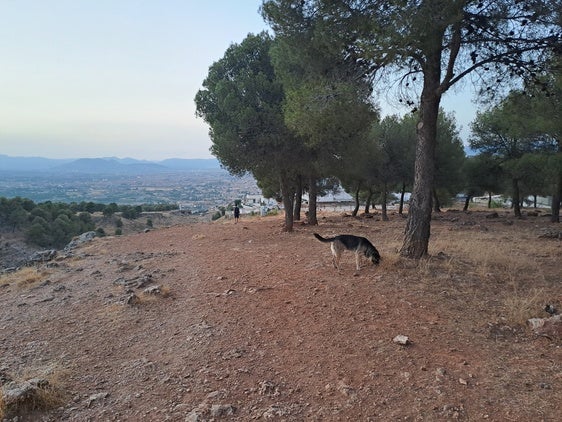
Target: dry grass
x=48, y=394
x=145, y=297
x=24, y=278
x=506, y=272
x=519, y=306
x=113, y=312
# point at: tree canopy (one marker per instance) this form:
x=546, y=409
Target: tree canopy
x=242, y=102
x=426, y=47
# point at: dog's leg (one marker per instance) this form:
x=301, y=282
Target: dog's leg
x=335, y=256
x=357, y=260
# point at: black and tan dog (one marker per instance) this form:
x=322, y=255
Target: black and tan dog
x=357, y=244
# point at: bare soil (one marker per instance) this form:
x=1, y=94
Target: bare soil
x=253, y=323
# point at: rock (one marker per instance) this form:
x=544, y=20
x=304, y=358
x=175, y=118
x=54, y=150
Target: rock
x=440, y=373
x=77, y=241
x=194, y=416
x=551, y=233
x=132, y=299
x=548, y=327
x=492, y=215
x=221, y=410
x=21, y=395
x=4, y=377
x=144, y=281
x=550, y=309
x=274, y=411
x=268, y=388
x=97, y=397
x=43, y=256
x=347, y=390
x=152, y=290
x=402, y=340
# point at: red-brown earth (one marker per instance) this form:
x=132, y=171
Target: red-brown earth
x=254, y=324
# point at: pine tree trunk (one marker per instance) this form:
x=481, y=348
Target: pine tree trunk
x=416, y=238
x=557, y=193
x=489, y=199
x=436, y=203
x=384, y=196
x=356, y=209
x=466, y=203
x=402, y=193
x=368, y=201
x=555, y=206
x=288, y=194
x=515, y=198
x=312, y=196
x=298, y=200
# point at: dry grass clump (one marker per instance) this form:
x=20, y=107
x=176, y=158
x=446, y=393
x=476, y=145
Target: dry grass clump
x=148, y=296
x=36, y=393
x=503, y=259
x=520, y=306
x=24, y=278
x=501, y=265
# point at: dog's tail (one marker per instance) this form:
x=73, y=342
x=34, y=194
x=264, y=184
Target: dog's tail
x=322, y=239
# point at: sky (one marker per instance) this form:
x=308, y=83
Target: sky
x=118, y=78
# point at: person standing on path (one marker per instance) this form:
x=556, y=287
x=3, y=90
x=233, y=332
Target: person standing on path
x=236, y=214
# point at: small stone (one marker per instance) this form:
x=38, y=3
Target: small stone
x=132, y=299
x=96, y=397
x=401, y=339
x=221, y=410
x=153, y=290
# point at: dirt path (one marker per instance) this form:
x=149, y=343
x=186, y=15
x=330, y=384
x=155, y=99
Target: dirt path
x=257, y=324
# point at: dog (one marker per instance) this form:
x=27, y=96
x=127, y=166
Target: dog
x=358, y=244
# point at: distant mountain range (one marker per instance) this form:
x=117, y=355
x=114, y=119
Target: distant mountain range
x=109, y=165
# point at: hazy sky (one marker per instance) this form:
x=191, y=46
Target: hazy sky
x=100, y=78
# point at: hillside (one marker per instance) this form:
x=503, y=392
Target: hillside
x=252, y=323
x=103, y=166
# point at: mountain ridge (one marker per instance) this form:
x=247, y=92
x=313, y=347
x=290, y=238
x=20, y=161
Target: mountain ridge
x=104, y=165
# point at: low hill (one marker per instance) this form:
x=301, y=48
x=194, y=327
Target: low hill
x=106, y=165
x=225, y=321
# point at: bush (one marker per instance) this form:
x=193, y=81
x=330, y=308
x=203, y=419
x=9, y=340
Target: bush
x=118, y=232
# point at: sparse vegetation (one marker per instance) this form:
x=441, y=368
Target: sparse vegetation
x=36, y=392
x=145, y=297
x=277, y=302
x=522, y=304
x=24, y=278
x=54, y=224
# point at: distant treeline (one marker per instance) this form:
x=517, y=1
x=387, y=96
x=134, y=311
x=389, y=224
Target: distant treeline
x=54, y=224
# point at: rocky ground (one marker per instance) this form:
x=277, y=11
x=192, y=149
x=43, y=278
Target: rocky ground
x=245, y=322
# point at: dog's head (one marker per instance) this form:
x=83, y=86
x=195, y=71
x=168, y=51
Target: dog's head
x=374, y=256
